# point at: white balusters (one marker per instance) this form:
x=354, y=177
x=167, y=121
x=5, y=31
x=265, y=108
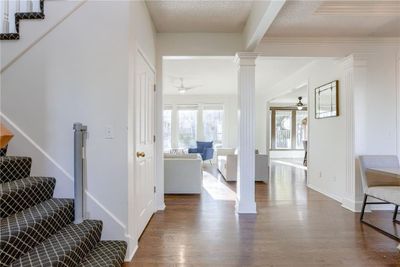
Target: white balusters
x=8, y=8
x=29, y=6
x=5, y=20
x=18, y=6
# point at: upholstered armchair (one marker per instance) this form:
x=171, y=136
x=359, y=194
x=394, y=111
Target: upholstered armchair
x=205, y=149
x=385, y=188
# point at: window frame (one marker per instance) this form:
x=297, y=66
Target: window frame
x=200, y=108
x=273, y=111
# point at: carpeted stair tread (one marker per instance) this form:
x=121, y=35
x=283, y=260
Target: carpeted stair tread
x=68, y=247
x=106, y=254
x=21, y=194
x=21, y=232
x=14, y=168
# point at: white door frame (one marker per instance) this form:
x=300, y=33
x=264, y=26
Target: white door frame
x=132, y=211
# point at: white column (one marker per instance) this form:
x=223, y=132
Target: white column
x=245, y=202
x=354, y=84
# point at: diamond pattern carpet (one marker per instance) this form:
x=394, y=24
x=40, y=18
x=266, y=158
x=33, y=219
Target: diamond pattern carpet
x=37, y=230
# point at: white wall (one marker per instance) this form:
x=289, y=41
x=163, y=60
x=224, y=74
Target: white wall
x=82, y=71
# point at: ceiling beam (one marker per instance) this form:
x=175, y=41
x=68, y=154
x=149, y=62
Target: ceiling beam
x=261, y=17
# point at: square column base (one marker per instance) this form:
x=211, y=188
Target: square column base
x=245, y=207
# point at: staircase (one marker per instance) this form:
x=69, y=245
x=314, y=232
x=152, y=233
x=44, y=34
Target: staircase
x=12, y=11
x=38, y=230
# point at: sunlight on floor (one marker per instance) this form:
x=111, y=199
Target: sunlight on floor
x=291, y=164
x=216, y=188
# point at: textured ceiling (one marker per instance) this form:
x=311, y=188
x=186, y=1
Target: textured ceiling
x=337, y=19
x=199, y=16
x=219, y=76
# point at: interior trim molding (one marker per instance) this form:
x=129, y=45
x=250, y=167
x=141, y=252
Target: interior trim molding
x=58, y=166
x=325, y=193
x=398, y=103
x=359, y=8
x=328, y=41
x=130, y=254
x=354, y=206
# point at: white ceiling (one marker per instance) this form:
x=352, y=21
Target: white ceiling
x=199, y=16
x=319, y=18
x=218, y=75
x=292, y=97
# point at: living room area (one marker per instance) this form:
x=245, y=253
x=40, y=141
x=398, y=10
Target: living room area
x=201, y=127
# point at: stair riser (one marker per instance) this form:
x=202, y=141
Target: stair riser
x=14, y=168
x=106, y=253
x=25, y=197
x=66, y=248
x=15, y=246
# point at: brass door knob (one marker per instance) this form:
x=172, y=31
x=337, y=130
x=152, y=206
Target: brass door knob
x=140, y=154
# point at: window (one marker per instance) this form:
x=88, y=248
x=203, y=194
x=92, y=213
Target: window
x=283, y=129
x=183, y=125
x=167, y=127
x=213, y=124
x=288, y=129
x=301, y=132
x=187, y=126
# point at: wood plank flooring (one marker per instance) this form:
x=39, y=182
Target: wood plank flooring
x=295, y=226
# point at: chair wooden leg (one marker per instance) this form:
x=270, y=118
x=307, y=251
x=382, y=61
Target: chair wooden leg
x=396, y=210
x=363, y=207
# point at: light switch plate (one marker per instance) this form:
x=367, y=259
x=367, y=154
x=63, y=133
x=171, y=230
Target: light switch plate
x=108, y=132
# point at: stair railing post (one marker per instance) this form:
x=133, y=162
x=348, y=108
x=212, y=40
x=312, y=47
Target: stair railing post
x=29, y=6
x=79, y=157
x=6, y=23
x=18, y=6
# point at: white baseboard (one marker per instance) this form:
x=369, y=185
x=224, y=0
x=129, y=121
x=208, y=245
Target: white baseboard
x=328, y=194
x=161, y=206
x=130, y=254
x=350, y=204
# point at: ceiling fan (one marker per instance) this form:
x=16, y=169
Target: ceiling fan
x=182, y=88
x=300, y=104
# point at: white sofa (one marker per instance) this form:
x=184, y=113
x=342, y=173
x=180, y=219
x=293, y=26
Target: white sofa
x=228, y=167
x=182, y=174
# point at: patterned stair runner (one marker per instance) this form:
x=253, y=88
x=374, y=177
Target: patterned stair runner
x=23, y=231
x=37, y=230
x=21, y=194
x=106, y=253
x=14, y=168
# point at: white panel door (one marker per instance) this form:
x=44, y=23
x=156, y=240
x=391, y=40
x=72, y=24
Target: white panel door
x=144, y=154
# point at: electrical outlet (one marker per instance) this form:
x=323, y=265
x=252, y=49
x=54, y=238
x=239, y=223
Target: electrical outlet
x=108, y=132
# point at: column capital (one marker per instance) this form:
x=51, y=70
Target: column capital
x=246, y=58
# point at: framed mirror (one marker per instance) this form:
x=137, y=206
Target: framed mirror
x=327, y=100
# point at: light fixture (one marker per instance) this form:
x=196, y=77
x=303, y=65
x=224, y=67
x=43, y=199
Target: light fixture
x=300, y=104
x=181, y=90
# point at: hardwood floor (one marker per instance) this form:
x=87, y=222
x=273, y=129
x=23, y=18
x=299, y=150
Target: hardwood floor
x=295, y=226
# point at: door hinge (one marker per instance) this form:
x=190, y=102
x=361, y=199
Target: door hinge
x=155, y=88
x=154, y=138
x=155, y=189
